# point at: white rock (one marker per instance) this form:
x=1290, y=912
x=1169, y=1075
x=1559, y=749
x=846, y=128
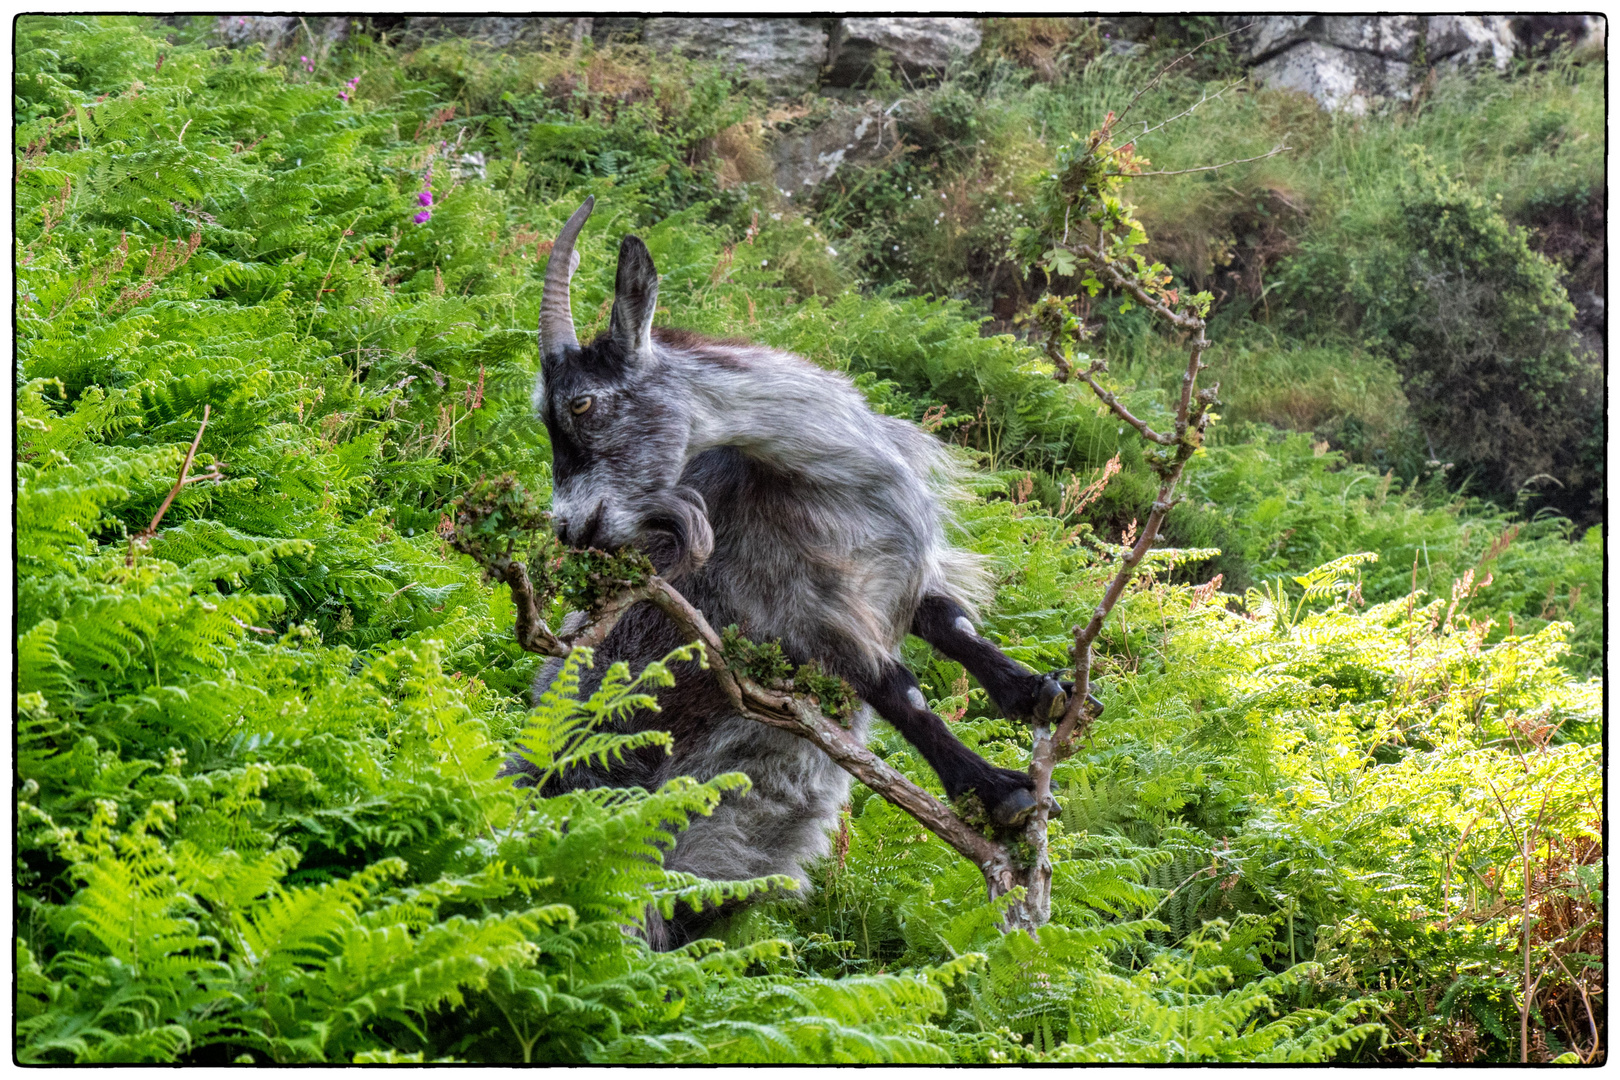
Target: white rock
x=918, y=45
x=1338, y=78
x=785, y=54
x=851, y=135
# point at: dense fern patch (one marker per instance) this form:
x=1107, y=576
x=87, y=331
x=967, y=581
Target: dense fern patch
x=258, y=726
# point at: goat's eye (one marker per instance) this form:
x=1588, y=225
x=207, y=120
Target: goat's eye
x=581, y=405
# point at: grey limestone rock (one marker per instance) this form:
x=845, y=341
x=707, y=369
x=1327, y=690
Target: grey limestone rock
x=278, y=33
x=918, y=45
x=786, y=54
x=1338, y=78
x=851, y=135
x=1356, y=61
x=512, y=32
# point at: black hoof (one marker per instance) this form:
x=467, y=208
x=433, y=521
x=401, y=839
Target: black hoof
x=1014, y=809
x=1051, y=699
x=1068, y=688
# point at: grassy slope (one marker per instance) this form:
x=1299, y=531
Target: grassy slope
x=294, y=686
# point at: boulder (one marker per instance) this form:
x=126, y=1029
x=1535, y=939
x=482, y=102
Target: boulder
x=1471, y=39
x=919, y=46
x=784, y=54
x=1355, y=61
x=510, y=32
x=852, y=134
x=280, y=33
x=1338, y=78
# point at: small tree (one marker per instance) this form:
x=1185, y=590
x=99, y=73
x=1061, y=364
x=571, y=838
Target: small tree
x=1084, y=229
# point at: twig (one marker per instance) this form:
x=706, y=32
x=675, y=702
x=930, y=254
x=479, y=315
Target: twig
x=1151, y=83
x=1119, y=409
x=213, y=473
x=1273, y=152
x=1185, y=112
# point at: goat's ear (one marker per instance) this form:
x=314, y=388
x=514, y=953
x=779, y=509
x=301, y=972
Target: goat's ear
x=635, y=296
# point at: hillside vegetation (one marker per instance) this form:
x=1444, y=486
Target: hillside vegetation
x=1344, y=802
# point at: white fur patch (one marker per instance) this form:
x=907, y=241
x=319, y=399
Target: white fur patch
x=966, y=627
x=914, y=696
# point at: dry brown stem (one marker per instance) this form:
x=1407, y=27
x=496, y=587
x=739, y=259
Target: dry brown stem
x=213, y=473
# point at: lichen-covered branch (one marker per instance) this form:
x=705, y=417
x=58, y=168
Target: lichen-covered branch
x=1119, y=409
x=1052, y=745
x=798, y=713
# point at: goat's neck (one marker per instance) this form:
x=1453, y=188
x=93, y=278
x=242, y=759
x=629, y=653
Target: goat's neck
x=794, y=418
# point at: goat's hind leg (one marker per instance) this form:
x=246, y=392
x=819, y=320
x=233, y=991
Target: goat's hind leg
x=1006, y=793
x=1018, y=692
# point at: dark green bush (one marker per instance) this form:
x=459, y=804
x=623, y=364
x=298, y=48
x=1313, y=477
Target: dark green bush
x=1480, y=327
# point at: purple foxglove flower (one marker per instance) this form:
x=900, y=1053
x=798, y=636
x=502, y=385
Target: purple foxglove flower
x=425, y=198
x=422, y=216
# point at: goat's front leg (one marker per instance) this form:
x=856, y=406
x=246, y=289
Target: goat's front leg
x=1018, y=692
x=894, y=693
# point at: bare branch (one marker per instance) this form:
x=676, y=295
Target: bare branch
x=803, y=717
x=533, y=635
x=1273, y=152
x=1188, y=111
x=1119, y=409
x=1151, y=83
x=1192, y=411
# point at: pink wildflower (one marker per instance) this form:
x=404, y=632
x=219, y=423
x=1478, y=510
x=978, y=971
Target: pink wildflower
x=422, y=216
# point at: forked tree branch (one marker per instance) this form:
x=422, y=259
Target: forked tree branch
x=797, y=713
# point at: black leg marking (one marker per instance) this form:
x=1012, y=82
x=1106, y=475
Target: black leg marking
x=1018, y=692
x=898, y=699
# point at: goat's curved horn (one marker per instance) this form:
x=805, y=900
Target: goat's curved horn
x=556, y=317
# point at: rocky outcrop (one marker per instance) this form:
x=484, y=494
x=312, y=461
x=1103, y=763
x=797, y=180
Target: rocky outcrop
x=919, y=46
x=851, y=135
x=785, y=54
x=1352, y=62
x=514, y=32
x=279, y=33
x=1356, y=61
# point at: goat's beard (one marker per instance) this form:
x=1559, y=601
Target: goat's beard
x=679, y=538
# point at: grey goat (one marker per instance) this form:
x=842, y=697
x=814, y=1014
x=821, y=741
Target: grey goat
x=769, y=493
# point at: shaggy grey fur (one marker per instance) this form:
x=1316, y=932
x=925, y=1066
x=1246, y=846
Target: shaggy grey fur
x=773, y=497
